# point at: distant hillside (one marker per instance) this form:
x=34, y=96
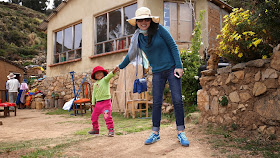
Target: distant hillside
x=20, y=37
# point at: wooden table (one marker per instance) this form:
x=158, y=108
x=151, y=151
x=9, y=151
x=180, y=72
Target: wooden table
x=6, y=109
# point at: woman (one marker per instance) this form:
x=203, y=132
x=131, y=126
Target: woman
x=163, y=56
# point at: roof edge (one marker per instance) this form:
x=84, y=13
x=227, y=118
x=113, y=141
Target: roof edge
x=222, y=4
x=44, y=25
x=12, y=63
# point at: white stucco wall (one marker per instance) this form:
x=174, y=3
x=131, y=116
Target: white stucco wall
x=75, y=11
x=84, y=11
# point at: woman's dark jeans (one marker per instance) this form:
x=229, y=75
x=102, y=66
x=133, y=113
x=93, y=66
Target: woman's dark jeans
x=175, y=85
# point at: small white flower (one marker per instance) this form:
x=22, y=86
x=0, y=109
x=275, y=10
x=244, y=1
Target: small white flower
x=196, y=77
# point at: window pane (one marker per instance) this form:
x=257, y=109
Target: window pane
x=71, y=55
x=99, y=49
x=170, y=18
x=166, y=20
x=121, y=43
x=56, y=58
x=129, y=12
x=68, y=39
x=115, y=30
x=58, y=43
x=78, y=53
x=62, y=57
x=185, y=22
x=109, y=47
x=78, y=36
x=101, y=23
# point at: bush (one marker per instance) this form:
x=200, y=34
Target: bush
x=242, y=38
x=268, y=12
x=191, y=62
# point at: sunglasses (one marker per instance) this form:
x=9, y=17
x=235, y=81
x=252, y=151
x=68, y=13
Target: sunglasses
x=141, y=20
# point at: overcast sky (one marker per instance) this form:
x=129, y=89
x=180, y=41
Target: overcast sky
x=49, y=6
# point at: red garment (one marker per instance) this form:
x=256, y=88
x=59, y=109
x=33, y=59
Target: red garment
x=103, y=107
x=98, y=68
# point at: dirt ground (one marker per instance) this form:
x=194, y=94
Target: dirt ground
x=33, y=124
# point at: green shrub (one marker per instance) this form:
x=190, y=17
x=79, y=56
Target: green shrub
x=267, y=14
x=191, y=62
x=223, y=101
x=28, y=63
x=242, y=38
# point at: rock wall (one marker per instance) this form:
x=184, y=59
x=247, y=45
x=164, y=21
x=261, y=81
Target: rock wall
x=63, y=86
x=252, y=90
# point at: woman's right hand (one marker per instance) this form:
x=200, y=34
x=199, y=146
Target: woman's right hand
x=116, y=69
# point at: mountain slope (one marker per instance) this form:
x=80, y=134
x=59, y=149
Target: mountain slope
x=20, y=37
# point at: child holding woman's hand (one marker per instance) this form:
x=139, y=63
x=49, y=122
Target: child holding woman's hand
x=101, y=98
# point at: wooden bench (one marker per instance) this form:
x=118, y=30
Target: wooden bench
x=7, y=109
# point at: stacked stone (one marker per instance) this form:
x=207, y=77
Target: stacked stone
x=63, y=86
x=253, y=93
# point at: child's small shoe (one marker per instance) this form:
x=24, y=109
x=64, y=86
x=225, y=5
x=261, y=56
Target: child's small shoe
x=111, y=132
x=93, y=131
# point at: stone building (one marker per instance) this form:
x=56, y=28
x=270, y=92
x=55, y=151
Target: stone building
x=82, y=34
x=85, y=33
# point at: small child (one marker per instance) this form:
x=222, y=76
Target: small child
x=101, y=98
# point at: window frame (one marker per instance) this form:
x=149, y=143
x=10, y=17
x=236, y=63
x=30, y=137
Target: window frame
x=178, y=19
x=116, y=41
x=63, y=56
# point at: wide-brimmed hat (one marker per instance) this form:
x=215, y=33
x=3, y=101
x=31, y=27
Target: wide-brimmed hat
x=11, y=76
x=98, y=68
x=143, y=13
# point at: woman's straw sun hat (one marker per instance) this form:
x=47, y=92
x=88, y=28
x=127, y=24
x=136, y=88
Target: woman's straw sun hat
x=143, y=13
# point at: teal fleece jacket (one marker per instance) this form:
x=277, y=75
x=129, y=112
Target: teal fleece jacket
x=162, y=53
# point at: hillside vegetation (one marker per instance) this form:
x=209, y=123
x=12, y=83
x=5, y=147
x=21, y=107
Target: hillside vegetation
x=20, y=37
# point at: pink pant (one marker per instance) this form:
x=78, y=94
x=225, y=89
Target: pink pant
x=103, y=107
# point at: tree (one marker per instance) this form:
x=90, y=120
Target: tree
x=267, y=13
x=15, y=1
x=56, y=3
x=38, y=5
x=245, y=4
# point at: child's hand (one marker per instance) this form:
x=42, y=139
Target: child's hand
x=116, y=69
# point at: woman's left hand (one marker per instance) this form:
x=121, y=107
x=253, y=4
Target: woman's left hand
x=179, y=71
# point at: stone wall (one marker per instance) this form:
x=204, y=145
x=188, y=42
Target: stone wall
x=253, y=93
x=63, y=86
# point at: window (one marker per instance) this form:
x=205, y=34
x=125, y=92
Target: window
x=113, y=32
x=68, y=44
x=178, y=19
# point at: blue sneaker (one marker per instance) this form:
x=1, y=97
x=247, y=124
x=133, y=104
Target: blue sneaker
x=153, y=138
x=183, y=139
